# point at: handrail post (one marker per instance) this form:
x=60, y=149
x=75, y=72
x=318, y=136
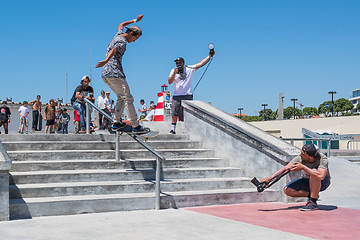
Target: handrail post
x=117, y=150
x=159, y=158
x=88, y=117
x=157, y=185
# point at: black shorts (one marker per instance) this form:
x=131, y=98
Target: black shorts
x=176, y=108
x=303, y=184
x=50, y=122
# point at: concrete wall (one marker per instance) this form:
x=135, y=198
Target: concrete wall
x=257, y=152
x=292, y=128
x=5, y=165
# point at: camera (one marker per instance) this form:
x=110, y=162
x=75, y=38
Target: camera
x=180, y=69
x=259, y=185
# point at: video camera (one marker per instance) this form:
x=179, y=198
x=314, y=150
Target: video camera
x=180, y=69
x=259, y=185
x=262, y=185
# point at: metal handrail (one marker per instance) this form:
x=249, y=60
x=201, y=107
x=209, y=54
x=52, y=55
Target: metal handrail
x=328, y=140
x=158, y=156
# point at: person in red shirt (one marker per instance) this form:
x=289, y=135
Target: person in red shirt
x=77, y=121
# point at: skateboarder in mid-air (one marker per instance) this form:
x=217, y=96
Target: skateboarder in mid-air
x=316, y=176
x=113, y=75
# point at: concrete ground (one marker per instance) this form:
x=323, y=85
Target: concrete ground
x=338, y=217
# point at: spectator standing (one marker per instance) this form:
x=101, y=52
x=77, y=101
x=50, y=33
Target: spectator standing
x=50, y=116
x=5, y=117
x=36, y=111
x=108, y=109
x=24, y=117
x=101, y=103
x=82, y=91
x=143, y=109
x=58, y=112
x=64, y=120
x=182, y=76
x=109, y=102
x=77, y=122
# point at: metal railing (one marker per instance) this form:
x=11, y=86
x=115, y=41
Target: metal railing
x=328, y=140
x=159, y=157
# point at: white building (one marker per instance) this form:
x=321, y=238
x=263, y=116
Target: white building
x=355, y=99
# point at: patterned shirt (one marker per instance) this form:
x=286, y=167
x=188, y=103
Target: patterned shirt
x=113, y=68
x=321, y=162
x=4, y=114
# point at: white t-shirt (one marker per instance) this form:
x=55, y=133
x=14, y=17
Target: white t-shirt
x=143, y=108
x=108, y=103
x=183, y=86
x=101, y=102
x=149, y=117
x=23, y=110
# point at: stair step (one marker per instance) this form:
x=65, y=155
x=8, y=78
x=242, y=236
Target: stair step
x=119, y=174
x=19, y=146
x=69, y=205
x=83, y=137
x=42, y=165
x=115, y=187
x=104, y=154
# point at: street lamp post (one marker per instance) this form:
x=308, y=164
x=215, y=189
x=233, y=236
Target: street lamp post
x=294, y=100
x=239, y=109
x=264, y=105
x=332, y=101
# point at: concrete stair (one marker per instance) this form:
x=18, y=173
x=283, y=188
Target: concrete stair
x=74, y=174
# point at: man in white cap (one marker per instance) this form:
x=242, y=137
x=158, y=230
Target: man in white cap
x=113, y=74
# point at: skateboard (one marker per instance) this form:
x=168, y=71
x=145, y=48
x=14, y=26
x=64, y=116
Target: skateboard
x=262, y=185
x=128, y=129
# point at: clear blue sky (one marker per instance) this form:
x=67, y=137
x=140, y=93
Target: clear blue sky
x=300, y=48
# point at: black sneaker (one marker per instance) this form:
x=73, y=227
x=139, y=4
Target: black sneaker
x=310, y=205
x=140, y=130
x=117, y=126
x=172, y=132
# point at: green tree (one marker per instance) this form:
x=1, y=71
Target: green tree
x=251, y=118
x=310, y=111
x=268, y=113
x=289, y=112
x=273, y=115
x=343, y=105
x=323, y=109
x=358, y=106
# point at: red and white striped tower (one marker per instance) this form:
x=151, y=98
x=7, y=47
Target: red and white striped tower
x=159, y=111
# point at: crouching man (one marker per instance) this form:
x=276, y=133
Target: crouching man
x=316, y=176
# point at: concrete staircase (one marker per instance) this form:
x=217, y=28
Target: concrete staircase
x=75, y=174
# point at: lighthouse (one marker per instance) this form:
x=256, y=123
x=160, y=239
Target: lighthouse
x=163, y=106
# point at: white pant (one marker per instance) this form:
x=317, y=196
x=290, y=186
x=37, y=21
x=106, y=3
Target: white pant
x=125, y=99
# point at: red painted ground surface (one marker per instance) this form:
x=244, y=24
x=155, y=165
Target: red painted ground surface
x=329, y=222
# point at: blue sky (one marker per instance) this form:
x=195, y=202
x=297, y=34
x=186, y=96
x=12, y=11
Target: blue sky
x=300, y=48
